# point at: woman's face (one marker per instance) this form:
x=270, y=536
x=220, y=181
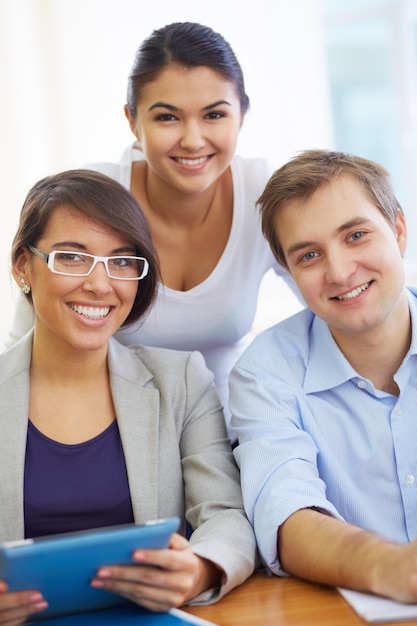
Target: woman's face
x=78, y=311
x=188, y=121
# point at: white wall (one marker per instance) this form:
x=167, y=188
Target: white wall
x=63, y=75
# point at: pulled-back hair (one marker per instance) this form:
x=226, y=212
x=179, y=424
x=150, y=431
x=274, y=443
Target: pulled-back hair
x=101, y=199
x=189, y=45
x=305, y=173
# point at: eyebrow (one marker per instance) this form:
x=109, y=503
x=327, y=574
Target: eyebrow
x=356, y=221
x=73, y=245
x=171, y=107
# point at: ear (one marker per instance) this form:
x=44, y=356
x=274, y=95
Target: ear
x=20, y=269
x=134, y=127
x=401, y=232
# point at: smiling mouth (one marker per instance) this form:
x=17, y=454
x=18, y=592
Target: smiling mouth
x=198, y=161
x=93, y=313
x=351, y=295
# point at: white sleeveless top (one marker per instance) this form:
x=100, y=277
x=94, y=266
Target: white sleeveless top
x=216, y=316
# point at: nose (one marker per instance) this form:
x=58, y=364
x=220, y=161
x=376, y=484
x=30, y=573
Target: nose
x=192, y=137
x=98, y=281
x=339, y=267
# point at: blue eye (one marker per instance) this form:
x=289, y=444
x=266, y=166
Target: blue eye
x=357, y=235
x=309, y=256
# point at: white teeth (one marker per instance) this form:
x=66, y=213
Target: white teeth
x=354, y=293
x=91, y=312
x=191, y=161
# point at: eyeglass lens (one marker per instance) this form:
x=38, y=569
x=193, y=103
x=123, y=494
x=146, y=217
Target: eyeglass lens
x=80, y=264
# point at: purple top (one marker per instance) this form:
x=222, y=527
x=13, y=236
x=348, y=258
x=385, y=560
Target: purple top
x=75, y=487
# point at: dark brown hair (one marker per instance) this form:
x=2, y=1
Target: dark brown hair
x=99, y=198
x=189, y=45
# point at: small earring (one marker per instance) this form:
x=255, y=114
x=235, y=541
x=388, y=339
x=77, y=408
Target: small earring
x=25, y=287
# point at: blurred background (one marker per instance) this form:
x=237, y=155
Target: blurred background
x=320, y=74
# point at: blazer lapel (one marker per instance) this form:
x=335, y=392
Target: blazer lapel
x=14, y=409
x=137, y=410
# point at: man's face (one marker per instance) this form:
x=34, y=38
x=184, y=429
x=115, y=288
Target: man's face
x=345, y=257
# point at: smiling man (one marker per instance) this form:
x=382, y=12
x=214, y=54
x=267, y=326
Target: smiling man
x=324, y=403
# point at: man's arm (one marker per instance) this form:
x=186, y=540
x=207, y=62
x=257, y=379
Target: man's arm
x=317, y=547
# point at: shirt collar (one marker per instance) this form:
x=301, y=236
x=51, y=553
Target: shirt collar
x=325, y=355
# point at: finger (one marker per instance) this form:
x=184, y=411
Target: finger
x=162, y=558
x=15, y=607
x=149, y=575
x=165, y=578
x=178, y=542
x=179, y=555
x=153, y=597
x=150, y=581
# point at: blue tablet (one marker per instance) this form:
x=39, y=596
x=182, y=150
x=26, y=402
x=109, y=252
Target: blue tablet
x=62, y=566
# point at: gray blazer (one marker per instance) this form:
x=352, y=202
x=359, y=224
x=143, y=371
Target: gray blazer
x=178, y=457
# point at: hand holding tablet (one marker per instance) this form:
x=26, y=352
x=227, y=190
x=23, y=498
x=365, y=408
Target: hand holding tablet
x=62, y=566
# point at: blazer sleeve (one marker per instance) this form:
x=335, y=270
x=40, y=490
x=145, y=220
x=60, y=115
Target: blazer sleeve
x=178, y=454
x=213, y=498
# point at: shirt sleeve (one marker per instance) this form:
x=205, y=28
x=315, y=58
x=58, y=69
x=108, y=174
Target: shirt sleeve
x=277, y=458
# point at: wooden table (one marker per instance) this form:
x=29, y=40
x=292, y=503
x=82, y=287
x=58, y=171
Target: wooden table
x=272, y=601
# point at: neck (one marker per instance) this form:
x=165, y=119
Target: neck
x=378, y=354
x=177, y=207
x=60, y=362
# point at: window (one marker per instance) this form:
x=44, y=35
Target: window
x=372, y=62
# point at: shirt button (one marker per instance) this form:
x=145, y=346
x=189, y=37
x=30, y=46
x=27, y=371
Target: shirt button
x=397, y=410
x=361, y=384
x=411, y=479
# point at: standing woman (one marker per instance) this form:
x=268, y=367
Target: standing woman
x=94, y=433
x=186, y=103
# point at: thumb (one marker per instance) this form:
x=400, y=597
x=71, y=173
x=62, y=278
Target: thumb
x=178, y=542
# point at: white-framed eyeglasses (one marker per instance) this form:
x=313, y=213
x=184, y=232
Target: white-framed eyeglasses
x=72, y=263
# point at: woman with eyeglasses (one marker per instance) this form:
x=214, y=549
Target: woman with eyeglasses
x=186, y=103
x=94, y=433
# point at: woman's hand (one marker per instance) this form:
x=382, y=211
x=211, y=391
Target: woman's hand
x=16, y=606
x=166, y=579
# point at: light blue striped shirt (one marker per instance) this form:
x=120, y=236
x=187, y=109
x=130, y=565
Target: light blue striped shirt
x=313, y=433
